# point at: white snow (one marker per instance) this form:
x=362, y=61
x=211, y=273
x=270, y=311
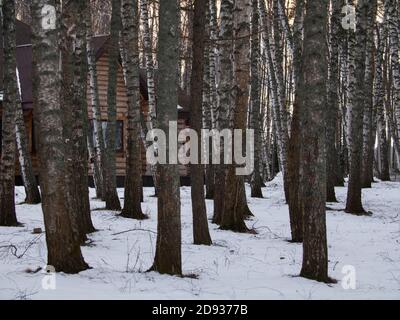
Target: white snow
x=237, y=266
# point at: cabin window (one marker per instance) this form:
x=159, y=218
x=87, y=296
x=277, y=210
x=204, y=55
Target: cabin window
x=119, y=134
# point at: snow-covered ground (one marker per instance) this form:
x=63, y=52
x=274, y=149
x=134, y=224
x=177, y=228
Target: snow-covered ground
x=238, y=266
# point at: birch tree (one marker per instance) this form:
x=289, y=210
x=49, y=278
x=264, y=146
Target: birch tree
x=278, y=100
x=333, y=100
x=208, y=98
x=235, y=204
x=25, y=161
x=130, y=59
x=356, y=87
x=369, y=134
x=64, y=252
x=224, y=96
x=98, y=137
x=393, y=20
x=111, y=195
x=255, y=123
x=294, y=143
x=151, y=93
x=379, y=104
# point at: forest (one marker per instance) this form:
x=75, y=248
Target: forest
x=199, y=149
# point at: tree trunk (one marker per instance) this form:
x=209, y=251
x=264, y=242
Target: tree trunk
x=75, y=116
x=295, y=206
x=224, y=98
x=209, y=89
x=168, y=248
x=111, y=195
x=25, y=161
x=379, y=104
x=393, y=20
x=201, y=235
x=98, y=137
x=10, y=105
x=357, y=56
x=151, y=93
x=235, y=206
x=333, y=101
x=64, y=253
x=279, y=110
x=312, y=96
x=130, y=60
x=255, y=123
x=369, y=133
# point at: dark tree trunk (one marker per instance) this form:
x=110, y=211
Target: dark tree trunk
x=168, y=248
x=130, y=60
x=75, y=116
x=80, y=126
x=64, y=252
x=111, y=195
x=7, y=166
x=356, y=91
x=295, y=206
x=369, y=131
x=224, y=99
x=379, y=104
x=312, y=96
x=235, y=205
x=201, y=235
x=255, y=123
x=333, y=101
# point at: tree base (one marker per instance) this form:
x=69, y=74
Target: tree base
x=319, y=278
x=132, y=215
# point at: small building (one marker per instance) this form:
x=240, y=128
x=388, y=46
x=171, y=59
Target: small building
x=100, y=44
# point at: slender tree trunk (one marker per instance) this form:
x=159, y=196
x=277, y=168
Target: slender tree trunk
x=111, y=195
x=63, y=248
x=369, y=133
x=224, y=98
x=168, y=248
x=357, y=48
x=151, y=93
x=295, y=206
x=201, y=234
x=279, y=110
x=393, y=21
x=10, y=105
x=333, y=101
x=379, y=104
x=99, y=146
x=312, y=95
x=255, y=123
x=130, y=59
x=80, y=126
x=209, y=92
x=25, y=161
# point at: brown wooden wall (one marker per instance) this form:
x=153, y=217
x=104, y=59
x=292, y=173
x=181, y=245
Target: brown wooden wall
x=102, y=71
x=102, y=74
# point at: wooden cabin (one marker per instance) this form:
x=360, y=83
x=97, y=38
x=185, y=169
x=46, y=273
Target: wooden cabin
x=100, y=43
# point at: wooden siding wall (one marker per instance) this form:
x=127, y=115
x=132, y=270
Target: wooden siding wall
x=102, y=74
x=102, y=70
